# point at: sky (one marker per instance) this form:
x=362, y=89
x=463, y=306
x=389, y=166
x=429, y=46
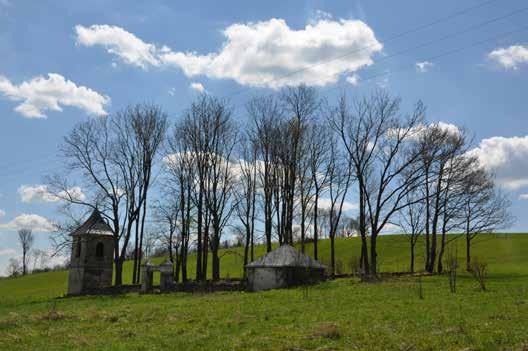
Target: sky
x=67, y=61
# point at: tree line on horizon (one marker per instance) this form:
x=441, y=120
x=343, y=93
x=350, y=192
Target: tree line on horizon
x=264, y=178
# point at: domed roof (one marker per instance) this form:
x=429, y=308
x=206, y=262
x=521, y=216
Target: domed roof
x=94, y=225
x=285, y=256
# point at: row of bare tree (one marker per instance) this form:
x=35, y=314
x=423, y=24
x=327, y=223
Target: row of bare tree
x=272, y=173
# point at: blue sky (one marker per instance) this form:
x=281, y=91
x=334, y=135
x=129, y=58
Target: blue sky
x=70, y=61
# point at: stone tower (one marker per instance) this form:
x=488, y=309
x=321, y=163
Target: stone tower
x=92, y=256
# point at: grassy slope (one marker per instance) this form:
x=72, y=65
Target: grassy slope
x=381, y=316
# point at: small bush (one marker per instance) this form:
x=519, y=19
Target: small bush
x=452, y=267
x=479, y=271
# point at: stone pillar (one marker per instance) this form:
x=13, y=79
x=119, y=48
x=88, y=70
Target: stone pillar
x=146, y=275
x=166, y=278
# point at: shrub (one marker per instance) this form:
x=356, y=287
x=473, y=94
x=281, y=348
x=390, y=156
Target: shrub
x=479, y=271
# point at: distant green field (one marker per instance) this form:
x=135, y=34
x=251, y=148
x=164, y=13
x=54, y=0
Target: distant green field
x=337, y=315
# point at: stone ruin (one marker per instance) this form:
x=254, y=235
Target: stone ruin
x=167, y=282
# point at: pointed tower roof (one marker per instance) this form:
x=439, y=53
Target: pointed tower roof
x=94, y=225
x=285, y=256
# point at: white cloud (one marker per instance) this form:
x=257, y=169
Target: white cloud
x=353, y=79
x=2, y=213
x=41, y=94
x=40, y=193
x=7, y=252
x=119, y=42
x=511, y=57
x=507, y=158
x=30, y=221
x=523, y=197
x=197, y=87
x=325, y=204
x=264, y=54
x=418, y=131
x=424, y=66
x=171, y=91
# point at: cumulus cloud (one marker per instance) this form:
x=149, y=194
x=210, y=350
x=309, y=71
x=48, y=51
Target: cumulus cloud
x=31, y=221
x=511, y=57
x=197, y=87
x=507, y=158
x=523, y=197
x=41, y=94
x=40, y=193
x=424, y=66
x=325, y=204
x=117, y=41
x=2, y=213
x=262, y=54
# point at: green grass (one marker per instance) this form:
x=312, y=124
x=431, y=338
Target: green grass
x=343, y=314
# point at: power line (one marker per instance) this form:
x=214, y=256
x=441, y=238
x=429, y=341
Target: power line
x=450, y=52
x=402, y=34
x=355, y=51
x=447, y=53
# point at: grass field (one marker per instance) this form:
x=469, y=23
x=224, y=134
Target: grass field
x=336, y=315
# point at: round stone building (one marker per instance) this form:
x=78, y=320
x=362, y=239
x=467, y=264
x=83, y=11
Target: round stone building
x=91, y=262
x=281, y=268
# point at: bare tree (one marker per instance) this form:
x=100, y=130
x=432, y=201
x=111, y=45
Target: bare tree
x=166, y=214
x=265, y=114
x=412, y=223
x=113, y=159
x=319, y=155
x=149, y=128
x=300, y=105
x=25, y=239
x=208, y=134
x=40, y=259
x=485, y=208
x=14, y=267
x=220, y=177
x=180, y=183
x=246, y=192
x=339, y=181
x=377, y=140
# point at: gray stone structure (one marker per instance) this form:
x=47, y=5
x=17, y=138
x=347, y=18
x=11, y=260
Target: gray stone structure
x=282, y=268
x=91, y=262
x=167, y=282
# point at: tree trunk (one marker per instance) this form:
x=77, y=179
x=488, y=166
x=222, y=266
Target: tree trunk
x=315, y=234
x=246, y=246
x=177, y=268
x=136, y=248
x=373, y=254
x=412, y=258
x=468, y=252
x=363, y=231
x=24, y=268
x=427, y=222
x=143, y=216
x=303, y=227
x=118, y=272
x=440, y=265
x=332, y=254
x=216, y=265
x=199, y=246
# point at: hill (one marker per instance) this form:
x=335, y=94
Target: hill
x=341, y=314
